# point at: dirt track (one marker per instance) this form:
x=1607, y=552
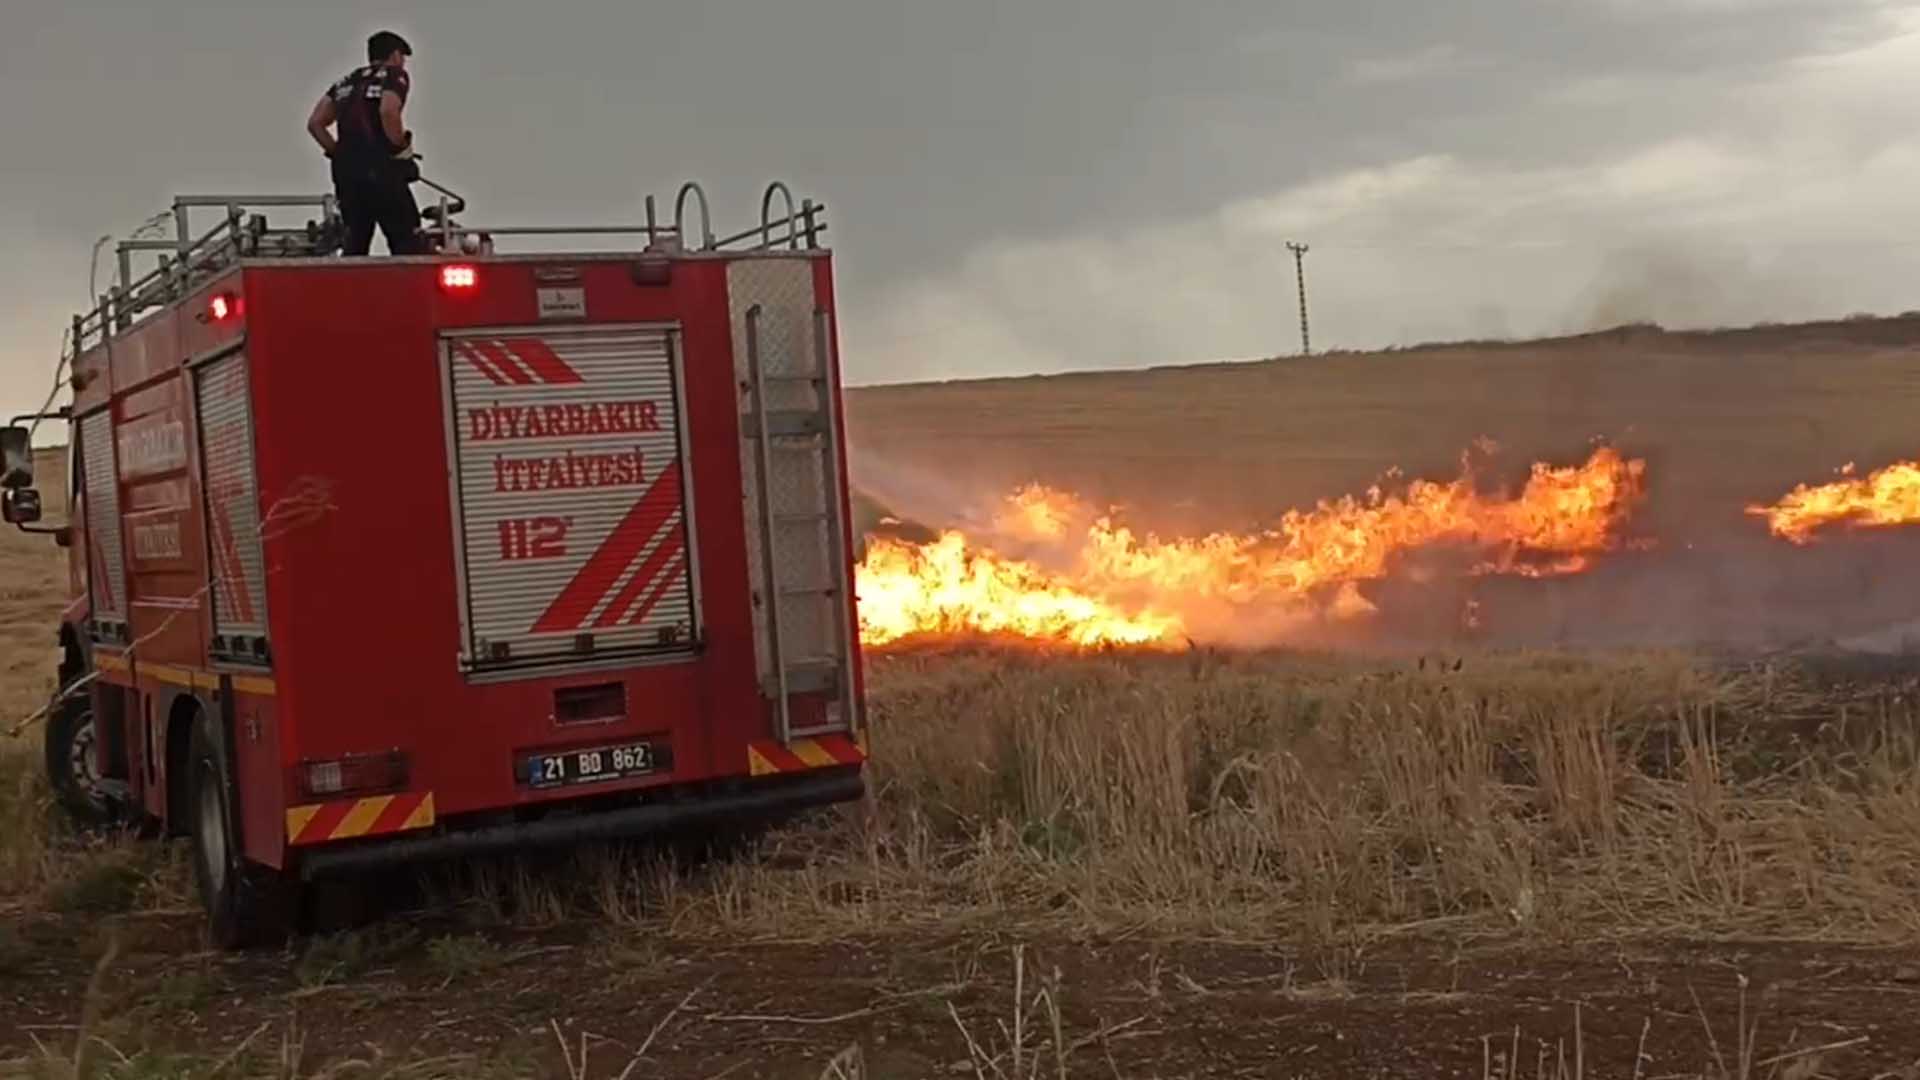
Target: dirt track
x=1130, y=1007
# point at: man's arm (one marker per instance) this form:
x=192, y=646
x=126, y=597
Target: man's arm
x=390, y=106
x=319, y=121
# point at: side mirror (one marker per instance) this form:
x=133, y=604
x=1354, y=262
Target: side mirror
x=16, y=457
x=19, y=505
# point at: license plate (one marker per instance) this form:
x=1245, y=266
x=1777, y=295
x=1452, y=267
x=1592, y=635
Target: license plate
x=592, y=765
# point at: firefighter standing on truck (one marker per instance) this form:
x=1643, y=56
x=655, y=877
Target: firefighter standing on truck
x=373, y=155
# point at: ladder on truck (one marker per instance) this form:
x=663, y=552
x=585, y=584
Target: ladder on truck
x=796, y=521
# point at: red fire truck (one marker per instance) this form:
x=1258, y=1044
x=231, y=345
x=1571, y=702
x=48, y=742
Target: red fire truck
x=377, y=560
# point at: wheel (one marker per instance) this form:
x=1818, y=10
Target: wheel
x=73, y=764
x=246, y=904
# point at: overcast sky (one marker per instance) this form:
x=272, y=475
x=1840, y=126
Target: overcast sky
x=1046, y=185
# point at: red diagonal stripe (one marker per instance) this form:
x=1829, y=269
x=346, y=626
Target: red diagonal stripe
x=101, y=577
x=843, y=749
x=242, y=588
x=397, y=812
x=233, y=575
x=546, y=363
x=668, y=547
x=218, y=547
x=322, y=824
x=479, y=363
x=508, y=366
x=780, y=757
x=666, y=582
x=577, y=600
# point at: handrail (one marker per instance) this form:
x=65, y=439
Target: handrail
x=795, y=223
x=766, y=206
x=188, y=256
x=706, y=216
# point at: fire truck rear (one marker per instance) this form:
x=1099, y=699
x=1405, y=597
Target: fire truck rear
x=386, y=559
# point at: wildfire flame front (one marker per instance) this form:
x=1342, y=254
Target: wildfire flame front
x=1884, y=497
x=1094, y=581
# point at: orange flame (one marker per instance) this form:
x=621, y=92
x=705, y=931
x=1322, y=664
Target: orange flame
x=1038, y=513
x=1884, y=497
x=942, y=589
x=1112, y=586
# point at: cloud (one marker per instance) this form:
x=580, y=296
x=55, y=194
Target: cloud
x=932, y=129
x=1428, y=63
x=1795, y=206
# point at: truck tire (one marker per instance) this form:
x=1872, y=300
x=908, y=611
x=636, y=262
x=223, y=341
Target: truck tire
x=246, y=904
x=73, y=769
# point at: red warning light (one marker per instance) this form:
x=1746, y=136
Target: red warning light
x=223, y=307
x=458, y=277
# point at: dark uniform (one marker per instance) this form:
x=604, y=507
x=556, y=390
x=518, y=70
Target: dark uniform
x=369, y=181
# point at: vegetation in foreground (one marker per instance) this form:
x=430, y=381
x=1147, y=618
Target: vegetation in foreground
x=1574, y=795
x=1314, y=800
x=1566, y=795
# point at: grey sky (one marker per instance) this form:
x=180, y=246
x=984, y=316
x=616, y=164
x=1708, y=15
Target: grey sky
x=1051, y=184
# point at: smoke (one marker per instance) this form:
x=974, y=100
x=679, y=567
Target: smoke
x=912, y=498
x=1676, y=283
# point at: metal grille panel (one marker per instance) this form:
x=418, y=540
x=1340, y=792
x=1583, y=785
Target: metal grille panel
x=225, y=408
x=106, y=563
x=571, y=495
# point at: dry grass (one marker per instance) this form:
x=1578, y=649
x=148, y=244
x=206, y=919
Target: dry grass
x=1323, y=800
x=32, y=591
x=1550, y=794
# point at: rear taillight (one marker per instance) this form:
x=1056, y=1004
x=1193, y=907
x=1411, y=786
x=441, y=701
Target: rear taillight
x=360, y=774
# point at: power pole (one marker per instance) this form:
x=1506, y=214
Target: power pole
x=1300, y=275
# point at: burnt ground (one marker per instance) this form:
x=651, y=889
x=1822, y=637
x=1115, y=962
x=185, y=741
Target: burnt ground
x=1131, y=1006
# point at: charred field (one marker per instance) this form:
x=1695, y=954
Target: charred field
x=1659, y=817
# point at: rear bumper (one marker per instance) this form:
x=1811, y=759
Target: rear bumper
x=768, y=797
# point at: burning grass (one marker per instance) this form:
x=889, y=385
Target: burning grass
x=1885, y=497
x=1052, y=568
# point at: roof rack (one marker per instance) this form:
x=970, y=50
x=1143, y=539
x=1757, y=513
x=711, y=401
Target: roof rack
x=244, y=231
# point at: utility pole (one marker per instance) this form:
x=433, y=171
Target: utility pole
x=1300, y=275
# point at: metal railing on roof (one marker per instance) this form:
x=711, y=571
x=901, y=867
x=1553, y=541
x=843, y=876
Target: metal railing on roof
x=243, y=230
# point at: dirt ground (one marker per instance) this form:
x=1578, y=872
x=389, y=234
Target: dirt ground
x=1129, y=1006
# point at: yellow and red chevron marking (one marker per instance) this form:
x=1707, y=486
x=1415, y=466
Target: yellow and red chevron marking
x=819, y=752
x=348, y=818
